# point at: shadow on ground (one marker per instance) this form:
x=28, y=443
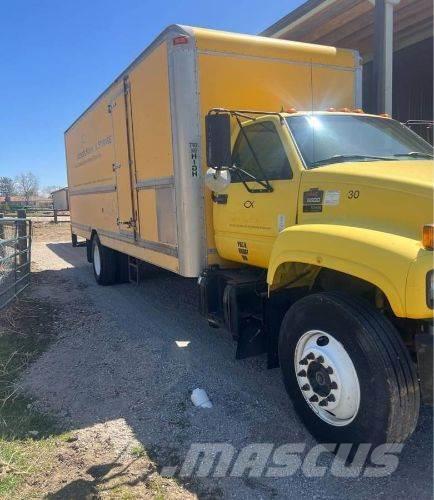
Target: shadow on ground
x=120, y=359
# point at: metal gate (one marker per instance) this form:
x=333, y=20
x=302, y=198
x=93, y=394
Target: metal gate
x=15, y=257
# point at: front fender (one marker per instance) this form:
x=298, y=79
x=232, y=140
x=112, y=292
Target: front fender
x=380, y=258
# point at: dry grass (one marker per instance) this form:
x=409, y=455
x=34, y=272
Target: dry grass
x=50, y=232
x=23, y=432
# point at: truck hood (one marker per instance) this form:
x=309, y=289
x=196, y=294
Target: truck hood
x=390, y=196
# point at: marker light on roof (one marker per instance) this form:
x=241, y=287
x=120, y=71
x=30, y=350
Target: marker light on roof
x=180, y=40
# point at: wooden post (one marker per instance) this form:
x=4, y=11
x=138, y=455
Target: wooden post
x=55, y=216
x=22, y=232
x=2, y=235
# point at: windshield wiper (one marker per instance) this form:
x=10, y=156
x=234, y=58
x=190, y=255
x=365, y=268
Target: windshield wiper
x=415, y=154
x=344, y=158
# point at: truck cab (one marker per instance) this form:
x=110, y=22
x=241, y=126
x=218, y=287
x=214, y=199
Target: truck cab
x=333, y=211
x=339, y=175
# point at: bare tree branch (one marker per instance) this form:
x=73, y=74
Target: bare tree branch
x=27, y=185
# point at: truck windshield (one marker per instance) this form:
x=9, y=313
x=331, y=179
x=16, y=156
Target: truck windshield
x=324, y=139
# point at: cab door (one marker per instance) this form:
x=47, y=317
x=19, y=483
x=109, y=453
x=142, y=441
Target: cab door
x=119, y=109
x=246, y=220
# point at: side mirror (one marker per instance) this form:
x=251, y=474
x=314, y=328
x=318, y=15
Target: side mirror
x=218, y=140
x=217, y=180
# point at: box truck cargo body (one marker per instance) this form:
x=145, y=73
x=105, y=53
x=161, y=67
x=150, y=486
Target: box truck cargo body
x=246, y=162
x=136, y=156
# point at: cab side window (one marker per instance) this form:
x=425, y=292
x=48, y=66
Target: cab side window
x=265, y=142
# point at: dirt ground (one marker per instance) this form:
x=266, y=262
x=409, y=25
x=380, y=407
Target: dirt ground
x=62, y=460
x=118, y=379
x=50, y=232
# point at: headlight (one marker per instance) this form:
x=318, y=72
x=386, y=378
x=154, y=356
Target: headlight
x=430, y=289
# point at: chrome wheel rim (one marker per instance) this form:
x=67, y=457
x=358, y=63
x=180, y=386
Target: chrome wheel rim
x=96, y=259
x=327, y=377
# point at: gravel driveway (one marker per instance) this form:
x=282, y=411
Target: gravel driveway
x=119, y=360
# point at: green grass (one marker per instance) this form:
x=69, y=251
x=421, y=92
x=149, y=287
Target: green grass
x=138, y=451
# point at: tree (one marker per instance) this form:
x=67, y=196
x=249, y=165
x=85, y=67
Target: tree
x=47, y=190
x=27, y=185
x=7, y=188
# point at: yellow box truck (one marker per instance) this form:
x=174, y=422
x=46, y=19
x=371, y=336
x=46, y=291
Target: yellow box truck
x=247, y=163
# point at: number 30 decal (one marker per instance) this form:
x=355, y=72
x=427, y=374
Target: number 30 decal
x=353, y=194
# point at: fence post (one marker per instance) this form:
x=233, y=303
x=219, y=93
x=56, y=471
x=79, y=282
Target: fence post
x=2, y=235
x=22, y=233
x=55, y=216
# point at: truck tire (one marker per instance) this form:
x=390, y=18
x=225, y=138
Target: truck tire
x=89, y=251
x=349, y=375
x=104, y=263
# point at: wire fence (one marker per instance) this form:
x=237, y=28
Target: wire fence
x=15, y=257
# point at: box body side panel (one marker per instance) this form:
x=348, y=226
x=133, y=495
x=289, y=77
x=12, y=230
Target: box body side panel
x=153, y=149
x=98, y=147
x=90, y=156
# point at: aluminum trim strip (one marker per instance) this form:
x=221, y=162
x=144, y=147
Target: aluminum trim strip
x=81, y=226
x=92, y=190
x=186, y=140
x=155, y=183
x=129, y=238
x=275, y=59
x=149, y=245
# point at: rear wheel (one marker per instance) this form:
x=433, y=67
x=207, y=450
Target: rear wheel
x=104, y=263
x=348, y=372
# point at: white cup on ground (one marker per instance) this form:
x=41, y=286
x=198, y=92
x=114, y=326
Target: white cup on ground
x=200, y=398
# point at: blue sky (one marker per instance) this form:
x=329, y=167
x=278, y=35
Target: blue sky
x=58, y=55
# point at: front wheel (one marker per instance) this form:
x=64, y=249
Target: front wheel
x=348, y=372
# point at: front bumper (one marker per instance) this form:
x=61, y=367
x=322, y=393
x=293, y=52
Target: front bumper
x=424, y=352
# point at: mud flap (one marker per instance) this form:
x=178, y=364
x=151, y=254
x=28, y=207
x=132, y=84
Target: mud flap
x=424, y=351
x=252, y=340
x=275, y=308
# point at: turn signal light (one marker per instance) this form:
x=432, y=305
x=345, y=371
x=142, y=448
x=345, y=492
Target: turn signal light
x=291, y=110
x=428, y=236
